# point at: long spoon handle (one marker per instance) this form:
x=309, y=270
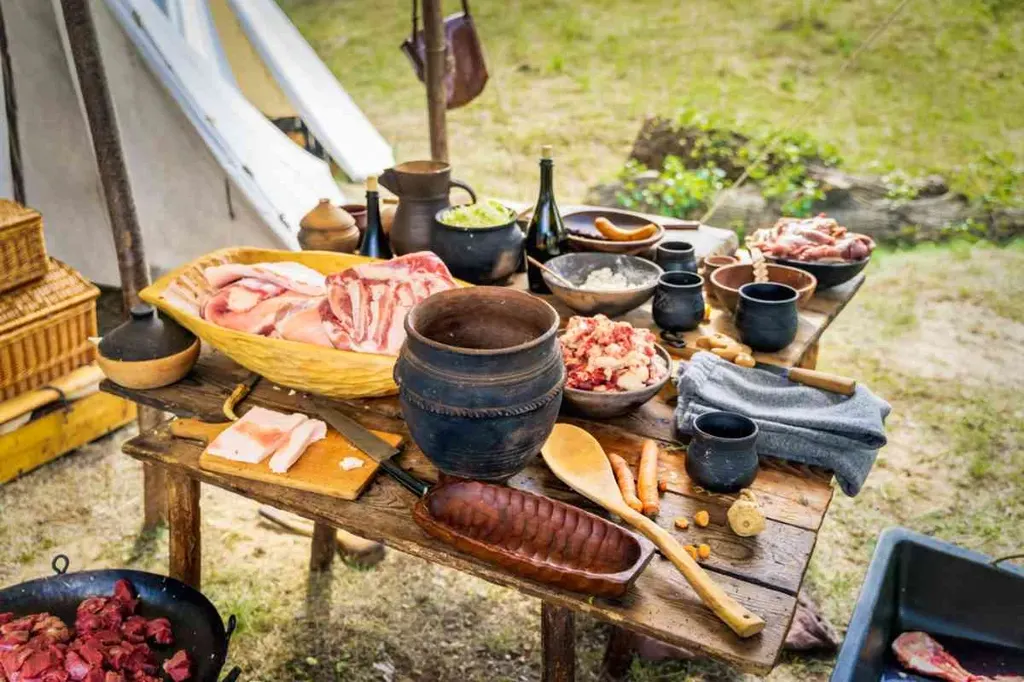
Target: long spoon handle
x=743, y=622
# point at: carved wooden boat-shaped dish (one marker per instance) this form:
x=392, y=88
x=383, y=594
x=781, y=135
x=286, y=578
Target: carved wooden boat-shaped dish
x=535, y=537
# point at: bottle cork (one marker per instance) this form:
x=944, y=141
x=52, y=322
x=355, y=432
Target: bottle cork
x=545, y=151
x=371, y=183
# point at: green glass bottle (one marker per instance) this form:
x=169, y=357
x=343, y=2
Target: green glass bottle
x=546, y=236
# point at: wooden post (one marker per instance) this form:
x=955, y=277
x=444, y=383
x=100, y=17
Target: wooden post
x=437, y=97
x=318, y=582
x=124, y=222
x=558, y=640
x=185, y=531
x=618, y=655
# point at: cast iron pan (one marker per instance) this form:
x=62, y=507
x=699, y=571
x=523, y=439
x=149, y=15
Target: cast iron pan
x=196, y=624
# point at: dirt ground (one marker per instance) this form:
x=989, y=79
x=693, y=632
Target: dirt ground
x=939, y=332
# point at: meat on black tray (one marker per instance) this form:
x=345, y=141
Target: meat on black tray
x=110, y=644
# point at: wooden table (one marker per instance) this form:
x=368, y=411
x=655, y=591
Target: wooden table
x=763, y=573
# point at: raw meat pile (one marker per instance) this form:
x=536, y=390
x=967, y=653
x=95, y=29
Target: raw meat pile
x=601, y=355
x=261, y=433
x=109, y=644
x=817, y=239
x=360, y=309
x=920, y=653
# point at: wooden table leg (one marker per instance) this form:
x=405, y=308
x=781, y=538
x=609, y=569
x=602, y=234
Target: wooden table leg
x=154, y=482
x=810, y=358
x=184, y=522
x=558, y=641
x=318, y=584
x=618, y=655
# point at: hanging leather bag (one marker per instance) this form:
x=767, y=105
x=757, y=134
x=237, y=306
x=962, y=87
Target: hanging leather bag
x=465, y=72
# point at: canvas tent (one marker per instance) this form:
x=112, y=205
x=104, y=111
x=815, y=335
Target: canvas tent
x=208, y=169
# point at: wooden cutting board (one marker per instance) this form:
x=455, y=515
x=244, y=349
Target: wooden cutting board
x=317, y=471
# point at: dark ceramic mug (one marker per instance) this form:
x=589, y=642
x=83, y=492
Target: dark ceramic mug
x=676, y=257
x=679, y=301
x=722, y=456
x=766, y=315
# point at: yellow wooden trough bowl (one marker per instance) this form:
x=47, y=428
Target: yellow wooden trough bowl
x=302, y=366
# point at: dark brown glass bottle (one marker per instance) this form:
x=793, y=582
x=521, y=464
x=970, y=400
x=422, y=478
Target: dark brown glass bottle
x=375, y=243
x=546, y=236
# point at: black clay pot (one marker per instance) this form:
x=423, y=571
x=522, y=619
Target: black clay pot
x=676, y=257
x=480, y=379
x=481, y=255
x=679, y=301
x=722, y=456
x=766, y=315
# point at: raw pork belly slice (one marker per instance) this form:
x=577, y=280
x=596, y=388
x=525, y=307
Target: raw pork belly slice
x=251, y=305
x=287, y=275
x=255, y=436
x=369, y=302
x=304, y=323
x=917, y=651
x=304, y=435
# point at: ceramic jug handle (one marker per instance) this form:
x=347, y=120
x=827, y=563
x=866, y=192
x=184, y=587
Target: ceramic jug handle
x=459, y=183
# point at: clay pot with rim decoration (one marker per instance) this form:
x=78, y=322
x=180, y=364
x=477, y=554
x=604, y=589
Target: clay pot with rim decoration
x=480, y=379
x=328, y=228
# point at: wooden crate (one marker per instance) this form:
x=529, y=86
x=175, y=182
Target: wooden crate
x=57, y=433
x=22, y=249
x=45, y=328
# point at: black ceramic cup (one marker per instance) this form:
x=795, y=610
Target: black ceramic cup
x=722, y=456
x=676, y=257
x=679, y=301
x=766, y=315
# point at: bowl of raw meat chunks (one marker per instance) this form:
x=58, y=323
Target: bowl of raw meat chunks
x=818, y=245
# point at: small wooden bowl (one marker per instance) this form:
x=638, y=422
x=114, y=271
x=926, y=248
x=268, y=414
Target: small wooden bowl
x=144, y=374
x=727, y=280
x=535, y=537
x=583, y=236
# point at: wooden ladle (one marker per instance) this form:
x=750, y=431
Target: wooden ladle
x=580, y=462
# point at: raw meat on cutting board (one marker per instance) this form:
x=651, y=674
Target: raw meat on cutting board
x=301, y=437
x=257, y=435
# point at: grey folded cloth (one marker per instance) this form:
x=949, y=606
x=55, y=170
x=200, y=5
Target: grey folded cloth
x=797, y=423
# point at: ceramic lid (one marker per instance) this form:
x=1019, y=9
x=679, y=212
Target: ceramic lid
x=327, y=216
x=146, y=336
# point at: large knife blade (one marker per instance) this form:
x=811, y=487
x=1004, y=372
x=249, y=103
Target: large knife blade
x=366, y=441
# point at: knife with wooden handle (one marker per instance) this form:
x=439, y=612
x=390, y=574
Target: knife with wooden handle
x=833, y=383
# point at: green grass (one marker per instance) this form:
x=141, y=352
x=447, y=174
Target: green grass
x=940, y=88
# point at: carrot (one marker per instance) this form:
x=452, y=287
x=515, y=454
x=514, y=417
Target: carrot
x=625, y=479
x=647, y=478
x=662, y=485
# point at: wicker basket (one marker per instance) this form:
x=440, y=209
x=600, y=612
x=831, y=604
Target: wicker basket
x=45, y=329
x=22, y=249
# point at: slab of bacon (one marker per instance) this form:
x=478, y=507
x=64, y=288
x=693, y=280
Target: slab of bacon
x=820, y=239
x=110, y=644
x=918, y=652
x=261, y=433
x=360, y=309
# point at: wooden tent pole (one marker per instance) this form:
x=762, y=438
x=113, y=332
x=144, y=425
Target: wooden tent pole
x=437, y=98
x=117, y=191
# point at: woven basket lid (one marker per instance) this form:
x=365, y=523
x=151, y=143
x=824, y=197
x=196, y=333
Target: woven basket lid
x=13, y=214
x=60, y=288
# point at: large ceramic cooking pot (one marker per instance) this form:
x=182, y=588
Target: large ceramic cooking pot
x=481, y=255
x=422, y=188
x=480, y=379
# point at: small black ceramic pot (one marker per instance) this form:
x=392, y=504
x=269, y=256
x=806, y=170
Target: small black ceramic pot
x=676, y=257
x=679, y=301
x=722, y=456
x=766, y=315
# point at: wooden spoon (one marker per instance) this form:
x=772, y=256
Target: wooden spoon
x=551, y=272
x=580, y=462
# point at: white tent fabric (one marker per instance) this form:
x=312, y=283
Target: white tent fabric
x=6, y=179
x=207, y=171
x=328, y=111
x=281, y=180
x=193, y=21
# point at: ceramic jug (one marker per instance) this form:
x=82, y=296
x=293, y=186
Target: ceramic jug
x=422, y=188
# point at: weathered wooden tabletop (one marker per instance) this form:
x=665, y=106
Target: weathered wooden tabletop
x=763, y=573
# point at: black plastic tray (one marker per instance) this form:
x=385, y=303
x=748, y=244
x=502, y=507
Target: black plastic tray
x=914, y=582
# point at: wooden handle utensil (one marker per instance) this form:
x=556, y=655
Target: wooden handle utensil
x=833, y=383
x=579, y=461
x=562, y=280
